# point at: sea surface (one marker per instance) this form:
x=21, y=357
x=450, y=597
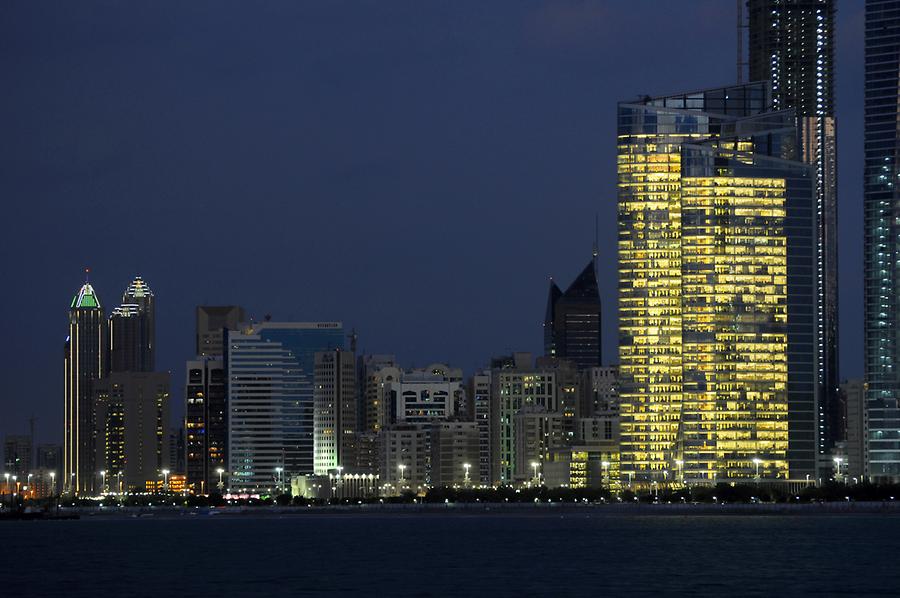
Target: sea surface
x=513, y=554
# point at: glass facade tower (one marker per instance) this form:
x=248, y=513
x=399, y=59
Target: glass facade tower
x=791, y=44
x=717, y=290
x=85, y=365
x=882, y=238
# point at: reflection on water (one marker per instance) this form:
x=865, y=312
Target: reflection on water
x=432, y=555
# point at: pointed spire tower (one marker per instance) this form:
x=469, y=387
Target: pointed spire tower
x=132, y=330
x=85, y=364
x=572, y=324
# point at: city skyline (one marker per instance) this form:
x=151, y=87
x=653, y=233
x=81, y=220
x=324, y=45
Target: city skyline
x=397, y=321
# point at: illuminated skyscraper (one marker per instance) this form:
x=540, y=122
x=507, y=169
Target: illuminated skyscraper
x=270, y=369
x=717, y=290
x=572, y=321
x=85, y=364
x=882, y=239
x=132, y=330
x=335, y=413
x=791, y=44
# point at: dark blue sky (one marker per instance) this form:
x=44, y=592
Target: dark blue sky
x=415, y=169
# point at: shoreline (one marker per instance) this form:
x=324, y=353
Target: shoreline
x=489, y=509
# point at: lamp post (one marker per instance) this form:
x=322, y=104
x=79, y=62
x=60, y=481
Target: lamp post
x=52, y=483
x=605, y=465
x=102, y=482
x=537, y=478
x=402, y=469
x=837, y=463
x=756, y=462
x=72, y=484
x=280, y=479
x=119, y=482
x=466, y=466
x=165, y=473
x=220, y=471
x=680, y=472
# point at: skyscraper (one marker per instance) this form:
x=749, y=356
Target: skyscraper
x=572, y=320
x=85, y=364
x=335, y=414
x=791, y=44
x=717, y=287
x=206, y=423
x=132, y=330
x=132, y=434
x=882, y=238
x=270, y=397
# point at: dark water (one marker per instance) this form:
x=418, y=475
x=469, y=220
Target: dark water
x=437, y=555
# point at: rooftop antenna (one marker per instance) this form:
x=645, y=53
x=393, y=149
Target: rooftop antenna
x=87, y=275
x=596, y=250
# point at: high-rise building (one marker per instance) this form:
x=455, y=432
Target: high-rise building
x=85, y=364
x=132, y=330
x=572, y=320
x=49, y=457
x=335, y=425
x=374, y=371
x=516, y=386
x=454, y=453
x=270, y=398
x=212, y=322
x=881, y=239
x=853, y=445
x=132, y=419
x=599, y=390
x=17, y=455
x=206, y=424
x=483, y=403
x=791, y=44
x=717, y=290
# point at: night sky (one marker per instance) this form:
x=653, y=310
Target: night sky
x=415, y=169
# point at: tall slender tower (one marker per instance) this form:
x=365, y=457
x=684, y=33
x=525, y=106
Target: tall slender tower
x=132, y=334
x=791, y=44
x=881, y=199
x=572, y=321
x=85, y=364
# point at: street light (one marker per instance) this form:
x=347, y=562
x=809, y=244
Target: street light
x=756, y=462
x=220, y=471
x=837, y=462
x=52, y=483
x=103, y=482
x=280, y=479
x=119, y=482
x=680, y=464
x=165, y=473
x=534, y=466
x=605, y=465
x=466, y=466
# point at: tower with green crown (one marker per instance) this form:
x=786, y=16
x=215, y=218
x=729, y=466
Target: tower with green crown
x=85, y=364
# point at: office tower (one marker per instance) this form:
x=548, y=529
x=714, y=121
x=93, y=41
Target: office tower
x=206, y=424
x=212, y=322
x=270, y=398
x=85, y=363
x=516, y=387
x=572, y=320
x=882, y=244
x=405, y=457
x=132, y=330
x=717, y=290
x=480, y=388
x=17, y=455
x=132, y=419
x=335, y=413
x=791, y=44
